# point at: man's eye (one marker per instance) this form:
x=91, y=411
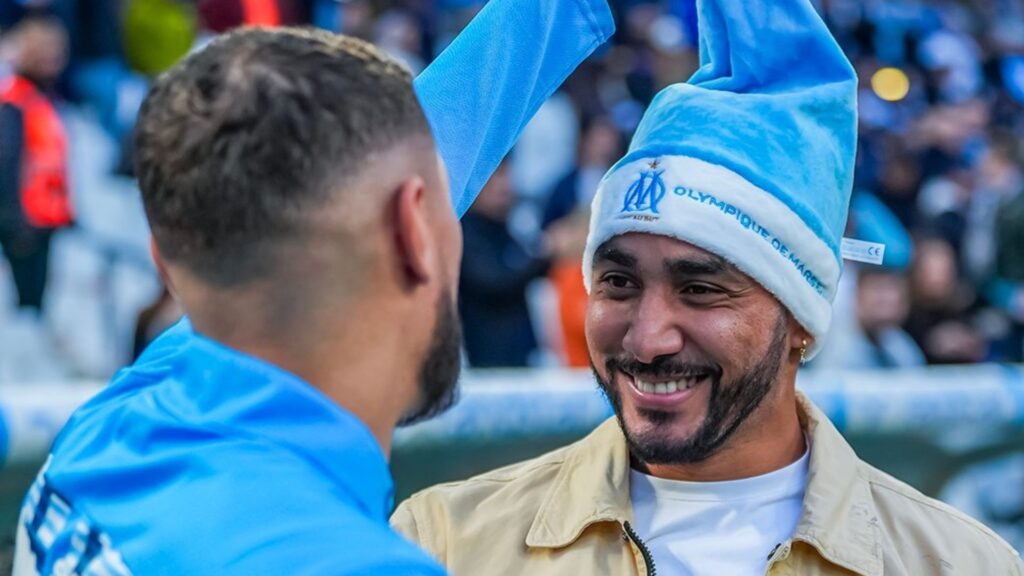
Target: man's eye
x=617, y=281
x=700, y=290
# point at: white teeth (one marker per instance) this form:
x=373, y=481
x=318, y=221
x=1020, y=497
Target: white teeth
x=665, y=387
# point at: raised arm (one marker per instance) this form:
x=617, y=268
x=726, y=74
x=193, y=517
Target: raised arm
x=483, y=89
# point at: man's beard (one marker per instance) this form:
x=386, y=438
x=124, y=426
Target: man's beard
x=440, y=369
x=729, y=405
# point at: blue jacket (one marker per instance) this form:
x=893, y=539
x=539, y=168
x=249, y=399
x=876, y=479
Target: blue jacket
x=199, y=459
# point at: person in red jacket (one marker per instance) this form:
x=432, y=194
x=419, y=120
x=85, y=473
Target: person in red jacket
x=33, y=155
x=222, y=15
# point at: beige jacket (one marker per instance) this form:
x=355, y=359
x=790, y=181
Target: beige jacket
x=567, y=512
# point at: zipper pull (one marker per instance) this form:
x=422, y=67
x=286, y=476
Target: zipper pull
x=779, y=553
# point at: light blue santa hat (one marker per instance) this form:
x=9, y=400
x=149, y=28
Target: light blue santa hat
x=752, y=159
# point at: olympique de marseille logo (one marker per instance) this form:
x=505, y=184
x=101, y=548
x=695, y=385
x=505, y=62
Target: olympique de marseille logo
x=646, y=192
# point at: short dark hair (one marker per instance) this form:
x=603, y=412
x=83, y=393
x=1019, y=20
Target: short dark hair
x=245, y=137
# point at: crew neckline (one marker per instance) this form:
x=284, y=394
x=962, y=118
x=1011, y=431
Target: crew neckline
x=786, y=481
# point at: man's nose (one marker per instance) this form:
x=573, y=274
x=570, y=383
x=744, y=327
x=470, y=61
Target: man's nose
x=653, y=331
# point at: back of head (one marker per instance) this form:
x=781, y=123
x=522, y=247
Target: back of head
x=242, y=147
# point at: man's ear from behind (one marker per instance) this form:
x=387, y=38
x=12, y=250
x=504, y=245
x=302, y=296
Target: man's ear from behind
x=414, y=241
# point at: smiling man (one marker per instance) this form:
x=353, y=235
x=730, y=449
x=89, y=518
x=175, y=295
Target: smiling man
x=712, y=261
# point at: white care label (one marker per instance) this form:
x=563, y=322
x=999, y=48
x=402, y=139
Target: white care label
x=861, y=251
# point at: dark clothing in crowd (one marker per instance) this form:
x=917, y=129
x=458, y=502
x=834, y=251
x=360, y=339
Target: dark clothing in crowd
x=26, y=248
x=1010, y=263
x=29, y=257
x=1010, y=239
x=564, y=199
x=496, y=270
x=11, y=150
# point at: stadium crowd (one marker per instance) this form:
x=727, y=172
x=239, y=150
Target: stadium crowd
x=939, y=178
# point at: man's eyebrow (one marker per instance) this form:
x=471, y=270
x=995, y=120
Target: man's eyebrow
x=612, y=254
x=701, y=266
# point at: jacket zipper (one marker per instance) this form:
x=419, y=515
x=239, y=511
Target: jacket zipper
x=644, y=551
x=780, y=552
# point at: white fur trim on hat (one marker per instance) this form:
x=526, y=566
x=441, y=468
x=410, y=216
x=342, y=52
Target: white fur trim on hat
x=718, y=210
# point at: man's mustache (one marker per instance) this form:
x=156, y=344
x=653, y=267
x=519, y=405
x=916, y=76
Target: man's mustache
x=662, y=367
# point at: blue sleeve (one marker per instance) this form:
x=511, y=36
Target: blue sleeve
x=483, y=89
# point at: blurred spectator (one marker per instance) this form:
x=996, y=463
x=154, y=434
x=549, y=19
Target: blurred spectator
x=566, y=240
x=219, y=16
x=1009, y=232
x=496, y=270
x=354, y=18
x=33, y=155
x=999, y=179
x=601, y=145
x=398, y=33
x=546, y=150
x=883, y=304
x=1007, y=288
x=899, y=184
x=940, y=318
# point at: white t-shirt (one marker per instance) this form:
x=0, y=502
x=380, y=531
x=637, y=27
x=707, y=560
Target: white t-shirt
x=717, y=528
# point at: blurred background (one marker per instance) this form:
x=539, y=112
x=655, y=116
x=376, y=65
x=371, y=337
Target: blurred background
x=940, y=181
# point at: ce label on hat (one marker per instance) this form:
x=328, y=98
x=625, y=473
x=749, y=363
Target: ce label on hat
x=860, y=251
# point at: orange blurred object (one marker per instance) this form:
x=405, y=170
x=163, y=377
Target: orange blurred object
x=44, y=188
x=567, y=278
x=261, y=13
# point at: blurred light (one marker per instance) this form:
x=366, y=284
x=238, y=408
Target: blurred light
x=890, y=84
x=667, y=34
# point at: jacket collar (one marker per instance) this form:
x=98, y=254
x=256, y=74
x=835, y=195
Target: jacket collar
x=839, y=519
x=591, y=487
x=237, y=394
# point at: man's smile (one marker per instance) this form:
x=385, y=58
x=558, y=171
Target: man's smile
x=663, y=392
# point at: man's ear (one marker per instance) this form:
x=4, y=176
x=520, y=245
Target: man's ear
x=798, y=335
x=413, y=237
x=161, y=266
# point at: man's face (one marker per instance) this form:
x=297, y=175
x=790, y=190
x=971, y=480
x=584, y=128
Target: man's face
x=43, y=55
x=684, y=345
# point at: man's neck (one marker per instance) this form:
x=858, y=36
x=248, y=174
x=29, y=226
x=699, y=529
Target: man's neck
x=337, y=358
